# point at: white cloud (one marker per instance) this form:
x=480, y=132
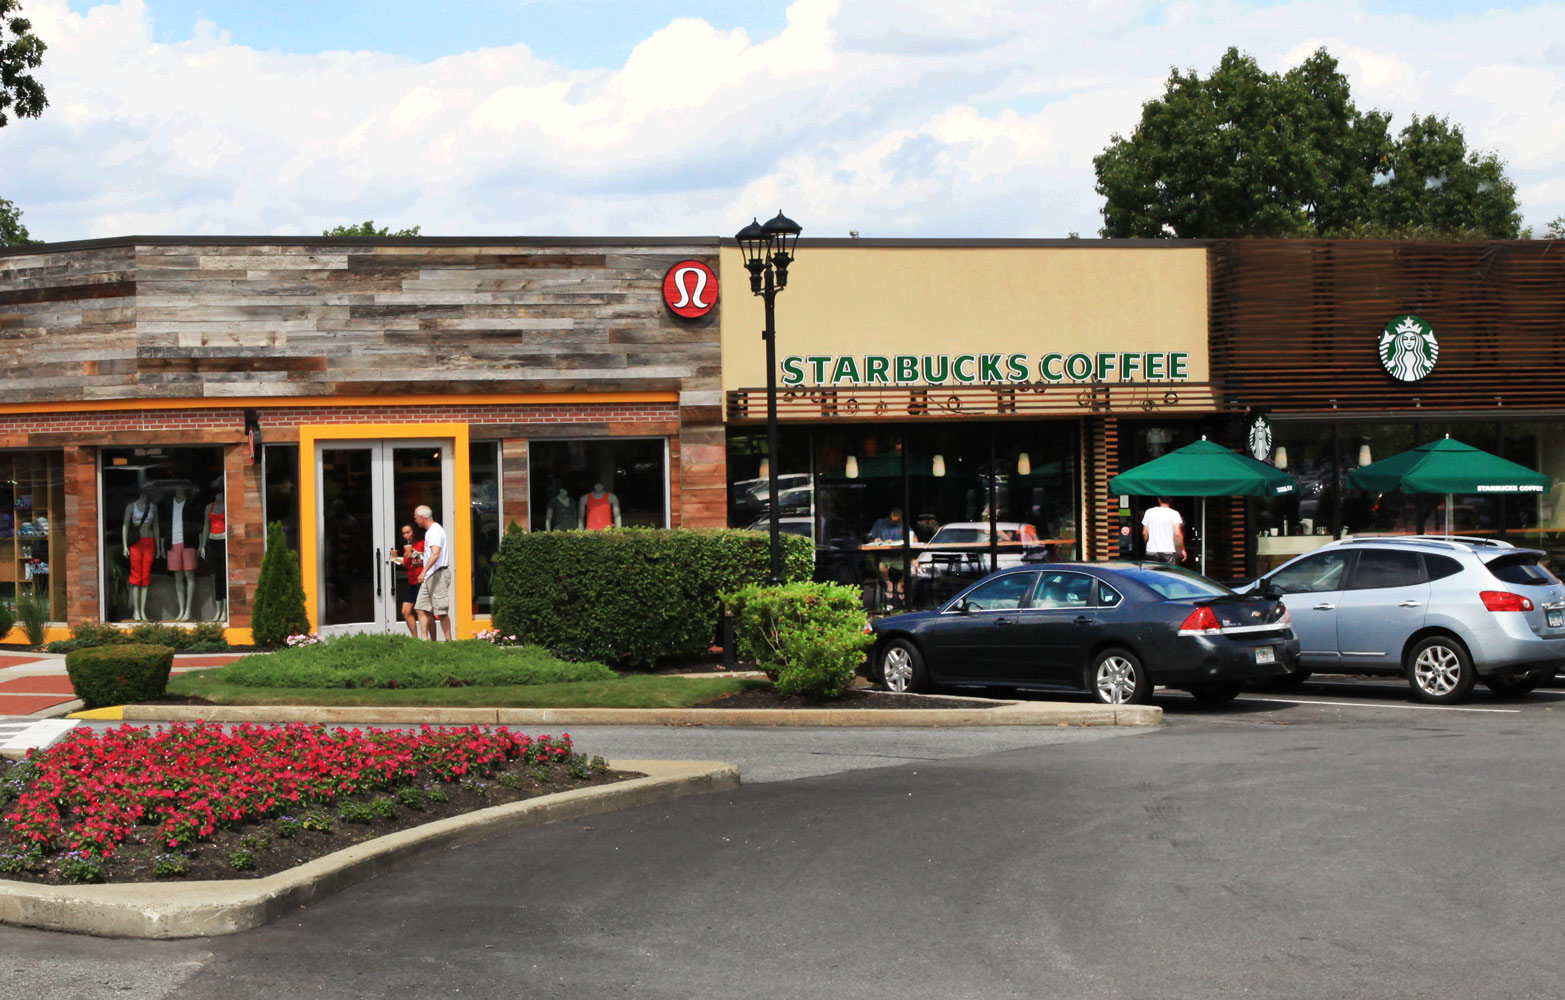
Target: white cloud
x=893, y=117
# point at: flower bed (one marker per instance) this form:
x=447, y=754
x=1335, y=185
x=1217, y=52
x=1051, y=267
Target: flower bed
x=131, y=804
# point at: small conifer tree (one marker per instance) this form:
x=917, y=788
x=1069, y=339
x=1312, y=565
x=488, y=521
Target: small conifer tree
x=278, y=611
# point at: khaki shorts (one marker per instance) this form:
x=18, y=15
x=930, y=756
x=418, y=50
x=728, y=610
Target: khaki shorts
x=434, y=594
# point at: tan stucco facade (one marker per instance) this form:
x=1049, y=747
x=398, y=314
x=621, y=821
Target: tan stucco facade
x=1034, y=301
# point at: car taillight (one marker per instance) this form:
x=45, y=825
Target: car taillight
x=1504, y=600
x=1287, y=616
x=1201, y=621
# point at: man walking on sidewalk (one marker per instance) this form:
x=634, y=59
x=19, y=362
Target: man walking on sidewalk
x=1164, y=532
x=434, y=594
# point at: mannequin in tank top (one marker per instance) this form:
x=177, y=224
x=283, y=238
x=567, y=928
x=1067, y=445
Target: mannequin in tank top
x=560, y=515
x=598, y=510
x=214, y=549
x=183, y=533
x=143, y=543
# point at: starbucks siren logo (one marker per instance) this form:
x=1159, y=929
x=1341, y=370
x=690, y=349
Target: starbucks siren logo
x=1408, y=348
x=1261, y=438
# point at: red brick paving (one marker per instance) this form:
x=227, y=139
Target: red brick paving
x=27, y=704
x=39, y=685
x=12, y=660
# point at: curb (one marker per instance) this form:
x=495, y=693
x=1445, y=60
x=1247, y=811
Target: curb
x=162, y=910
x=1005, y=714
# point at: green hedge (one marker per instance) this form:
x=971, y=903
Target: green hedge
x=277, y=610
x=119, y=674
x=205, y=637
x=401, y=661
x=809, y=638
x=632, y=595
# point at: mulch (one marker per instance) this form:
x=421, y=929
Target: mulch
x=209, y=859
x=854, y=698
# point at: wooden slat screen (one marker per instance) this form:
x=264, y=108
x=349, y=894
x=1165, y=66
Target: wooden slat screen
x=1295, y=323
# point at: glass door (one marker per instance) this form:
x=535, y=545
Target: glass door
x=366, y=491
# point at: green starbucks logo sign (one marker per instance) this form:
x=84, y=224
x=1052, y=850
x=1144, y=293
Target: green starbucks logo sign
x=1408, y=348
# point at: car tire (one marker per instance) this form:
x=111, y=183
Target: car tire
x=1215, y=693
x=1513, y=687
x=1116, y=677
x=901, y=667
x=1439, y=671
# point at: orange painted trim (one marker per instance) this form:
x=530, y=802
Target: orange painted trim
x=51, y=633
x=278, y=402
x=461, y=502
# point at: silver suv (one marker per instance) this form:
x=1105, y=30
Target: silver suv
x=1445, y=612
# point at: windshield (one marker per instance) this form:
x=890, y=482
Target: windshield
x=959, y=536
x=1175, y=584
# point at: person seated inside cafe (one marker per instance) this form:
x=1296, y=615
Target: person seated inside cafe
x=888, y=531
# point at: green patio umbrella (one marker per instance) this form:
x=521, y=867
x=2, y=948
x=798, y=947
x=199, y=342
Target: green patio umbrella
x=1449, y=467
x=1203, y=469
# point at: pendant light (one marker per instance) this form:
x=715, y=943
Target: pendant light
x=851, y=467
x=1023, y=465
x=1365, y=458
x=939, y=467
x=766, y=469
x=1281, y=458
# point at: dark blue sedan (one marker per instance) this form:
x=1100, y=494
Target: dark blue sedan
x=1113, y=629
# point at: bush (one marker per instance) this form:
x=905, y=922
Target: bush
x=401, y=661
x=119, y=674
x=206, y=637
x=278, y=609
x=7, y=621
x=98, y=634
x=808, y=637
x=34, y=620
x=631, y=595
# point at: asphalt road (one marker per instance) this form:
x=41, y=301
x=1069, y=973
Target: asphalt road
x=1346, y=844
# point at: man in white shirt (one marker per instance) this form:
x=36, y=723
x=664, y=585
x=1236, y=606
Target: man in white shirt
x=1164, y=532
x=434, y=593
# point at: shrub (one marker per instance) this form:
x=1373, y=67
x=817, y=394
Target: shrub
x=119, y=674
x=808, y=637
x=170, y=866
x=81, y=866
x=241, y=860
x=278, y=608
x=98, y=634
x=632, y=595
x=207, y=637
x=34, y=618
x=7, y=621
x=400, y=661
x=158, y=634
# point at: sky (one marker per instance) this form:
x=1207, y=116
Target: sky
x=892, y=118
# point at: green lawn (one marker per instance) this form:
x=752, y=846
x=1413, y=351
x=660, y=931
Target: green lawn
x=636, y=691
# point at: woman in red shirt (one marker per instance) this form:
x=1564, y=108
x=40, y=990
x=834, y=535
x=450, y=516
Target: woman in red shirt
x=410, y=555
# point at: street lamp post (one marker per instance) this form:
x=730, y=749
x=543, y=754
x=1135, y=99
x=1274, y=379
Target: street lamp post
x=768, y=250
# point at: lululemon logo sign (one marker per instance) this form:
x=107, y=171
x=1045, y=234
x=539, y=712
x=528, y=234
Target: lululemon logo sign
x=690, y=289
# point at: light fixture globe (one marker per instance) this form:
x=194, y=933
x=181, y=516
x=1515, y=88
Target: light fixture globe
x=783, y=233
x=752, y=242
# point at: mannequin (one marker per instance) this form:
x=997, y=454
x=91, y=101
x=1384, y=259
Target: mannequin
x=143, y=543
x=561, y=513
x=214, y=549
x=598, y=510
x=184, y=531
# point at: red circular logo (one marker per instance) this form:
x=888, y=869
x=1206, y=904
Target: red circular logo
x=690, y=289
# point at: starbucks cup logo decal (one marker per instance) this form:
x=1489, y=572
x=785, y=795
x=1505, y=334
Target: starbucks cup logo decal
x=690, y=289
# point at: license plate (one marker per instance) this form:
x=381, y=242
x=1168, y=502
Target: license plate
x=1557, y=619
x=1266, y=654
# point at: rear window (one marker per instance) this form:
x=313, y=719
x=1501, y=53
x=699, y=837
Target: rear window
x=959, y=536
x=1522, y=569
x=1176, y=584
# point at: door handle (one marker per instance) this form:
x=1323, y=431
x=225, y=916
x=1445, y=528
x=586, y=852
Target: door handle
x=1084, y=619
x=1004, y=621
x=1411, y=604
x=377, y=575
x=1324, y=607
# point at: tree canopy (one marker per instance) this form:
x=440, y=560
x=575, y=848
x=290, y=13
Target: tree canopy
x=367, y=228
x=1244, y=153
x=21, y=95
x=12, y=232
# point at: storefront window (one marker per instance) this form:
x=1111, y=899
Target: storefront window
x=599, y=483
x=165, y=535
x=486, y=519
x=32, y=531
x=281, y=468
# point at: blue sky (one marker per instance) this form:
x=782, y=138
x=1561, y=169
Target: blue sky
x=591, y=117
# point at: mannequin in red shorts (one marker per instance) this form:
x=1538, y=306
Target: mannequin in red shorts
x=139, y=534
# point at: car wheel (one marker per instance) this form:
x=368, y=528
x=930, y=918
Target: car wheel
x=1439, y=670
x=902, y=667
x=1216, y=693
x=1116, y=677
x=1510, y=687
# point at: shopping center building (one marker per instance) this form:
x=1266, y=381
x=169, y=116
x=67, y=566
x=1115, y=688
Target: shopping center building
x=946, y=405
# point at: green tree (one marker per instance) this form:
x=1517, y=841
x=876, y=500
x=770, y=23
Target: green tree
x=1244, y=153
x=1555, y=230
x=367, y=228
x=278, y=609
x=12, y=232
x=20, y=94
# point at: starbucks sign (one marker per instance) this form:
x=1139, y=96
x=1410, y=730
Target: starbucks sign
x=1408, y=348
x=1261, y=438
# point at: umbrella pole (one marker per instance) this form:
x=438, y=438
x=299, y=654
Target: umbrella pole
x=1203, y=536
x=1448, y=499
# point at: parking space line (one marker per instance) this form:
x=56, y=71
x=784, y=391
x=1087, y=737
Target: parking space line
x=1362, y=704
